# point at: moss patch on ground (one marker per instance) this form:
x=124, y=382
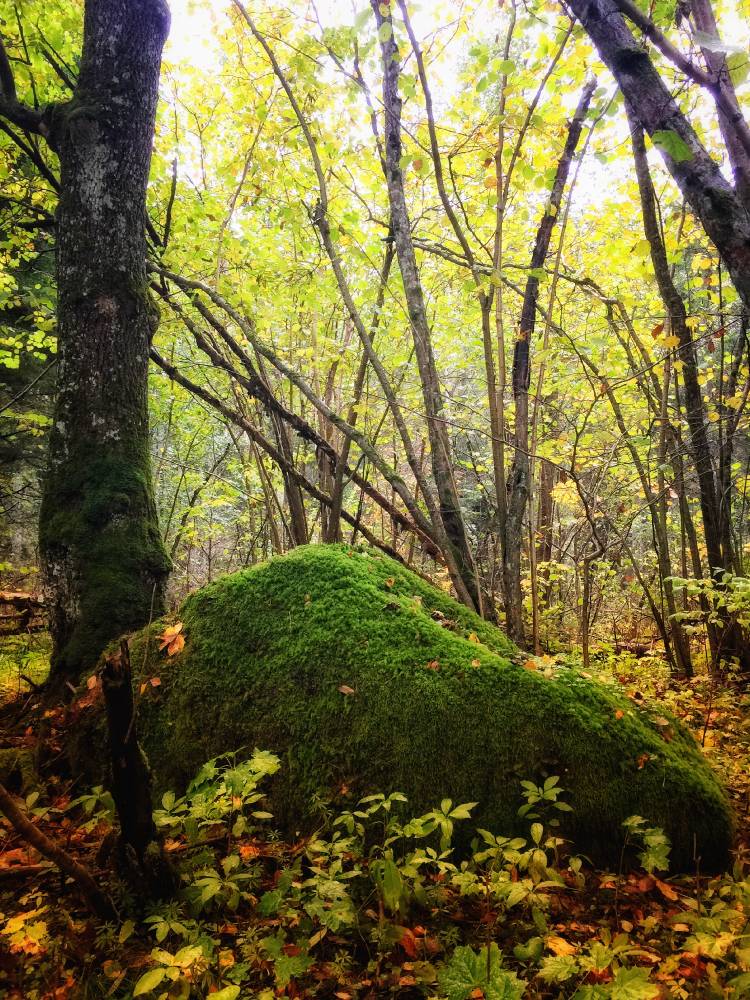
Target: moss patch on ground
x=363, y=677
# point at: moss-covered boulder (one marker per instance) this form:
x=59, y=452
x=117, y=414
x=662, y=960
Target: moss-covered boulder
x=364, y=677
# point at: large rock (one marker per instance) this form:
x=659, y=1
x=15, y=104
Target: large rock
x=361, y=676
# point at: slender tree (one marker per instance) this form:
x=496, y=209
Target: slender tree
x=518, y=481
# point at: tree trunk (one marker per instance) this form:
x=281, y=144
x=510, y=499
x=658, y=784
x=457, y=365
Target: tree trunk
x=719, y=207
x=720, y=556
x=140, y=855
x=101, y=549
x=451, y=514
x=518, y=480
x=716, y=62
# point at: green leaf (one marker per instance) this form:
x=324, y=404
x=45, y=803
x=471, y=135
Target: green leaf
x=633, y=984
x=125, y=931
x=467, y=971
x=288, y=967
x=228, y=993
x=672, y=144
x=149, y=981
x=463, y=811
x=738, y=65
x=392, y=884
x=385, y=31
x=558, y=968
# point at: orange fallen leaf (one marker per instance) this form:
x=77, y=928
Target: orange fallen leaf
x=408, y=942
x=666, y=890
x=345, y=689
x=172, y=640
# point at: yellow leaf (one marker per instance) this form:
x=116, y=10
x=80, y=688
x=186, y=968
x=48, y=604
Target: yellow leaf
x=560, y=946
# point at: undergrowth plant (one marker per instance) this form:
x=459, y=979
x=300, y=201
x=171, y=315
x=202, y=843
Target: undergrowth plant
x=358, y=892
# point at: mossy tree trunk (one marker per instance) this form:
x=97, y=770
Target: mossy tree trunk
x=100, y=546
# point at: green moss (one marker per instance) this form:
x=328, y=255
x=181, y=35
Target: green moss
x=98, y=520
x=434, y=713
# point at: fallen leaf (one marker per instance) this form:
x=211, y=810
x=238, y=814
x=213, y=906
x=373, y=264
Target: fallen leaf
x=408, y=942
x=560, y=946
x=667, y=891
x=345, y=689
x=172, y=640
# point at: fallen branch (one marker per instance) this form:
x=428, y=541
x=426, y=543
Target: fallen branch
x=97, y=901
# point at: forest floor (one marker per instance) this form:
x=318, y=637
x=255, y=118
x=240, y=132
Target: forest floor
x=333, y=916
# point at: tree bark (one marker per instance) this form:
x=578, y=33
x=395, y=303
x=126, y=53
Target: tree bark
x=719, y=207
x=703, y=15
x=100, y=546
x=140, y=855
x=451, y=514
x=518, y=480
x=718, y=550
